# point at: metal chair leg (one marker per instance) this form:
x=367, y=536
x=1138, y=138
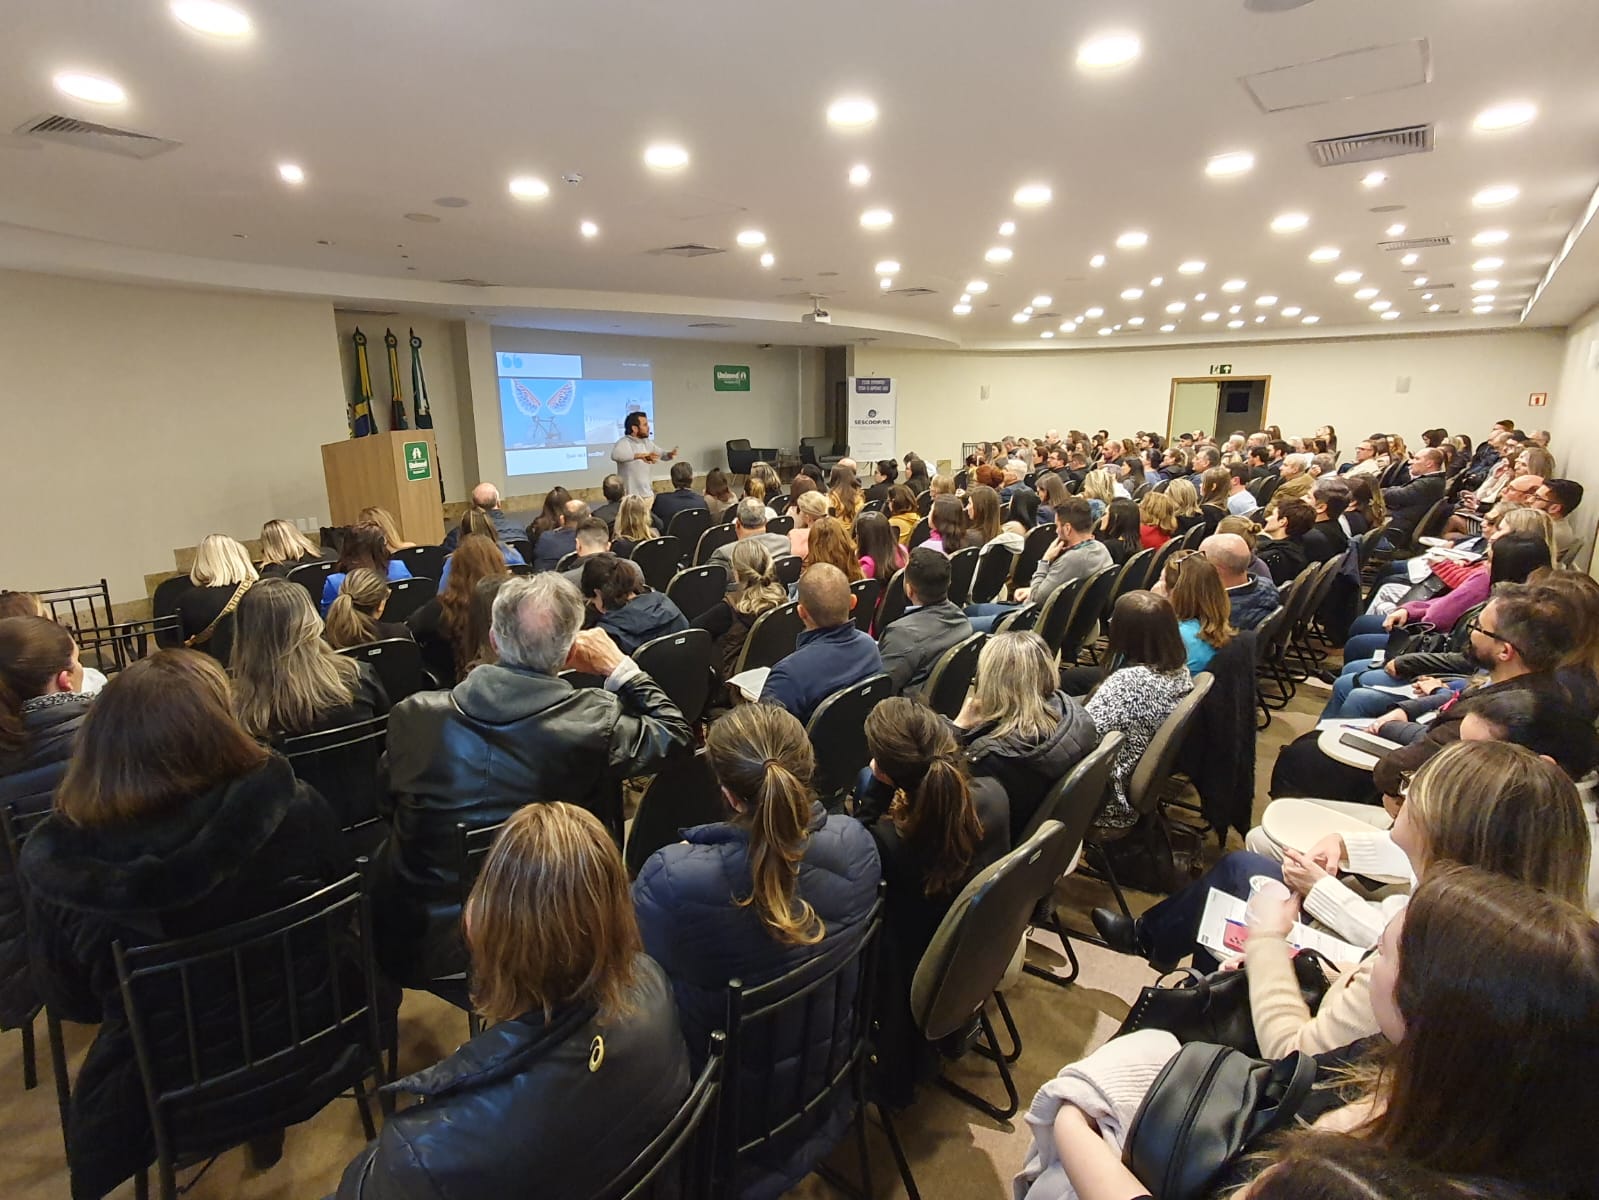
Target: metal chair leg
x=141, y=1185
x=900, y=1160
x=30, y=1065
x=363, y=1102
x=58, y=1065
x=994, y=1055
x=1044, y=973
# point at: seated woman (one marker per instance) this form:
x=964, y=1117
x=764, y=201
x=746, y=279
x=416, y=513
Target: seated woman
x=552, y=515
x=1021, y=517
x=948, y=527
x=624, y=605
x=984, y=510
x=764, y=474
x=755, y=590
x=812, y=508
x=1052, y=493
x=916, y=478
x=1139, y=695
x=633, y=525
x=222, y=573
x=283, y=547
x=286, y=679
x=1186, y=497
x=171, y=821
x=1282, y=548
x=1017, y=726
x=355, y=618
x=880, y=552
x=1157, y=520
x=1099, y=489
x=583, y=1040
x=902, y=512
x=476, y=521
x=1120, y=531
x=478, y=643
x=718, y=493
x=384, y=520
x=1204, y=614
x=844, y=495
x=755, y=897
x=1366, y=510
x=884, y=474
x=830, y=542
x=364, y=546
x=440, y=625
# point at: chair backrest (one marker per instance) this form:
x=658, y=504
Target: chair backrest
x=16, y=826
x=837, y=730
x=112, y=647
x=952, y=675
x=962, y=478
x=680, y=1162
x=398, y=662
x=312, y=576
x=714, y=538
x=1019, y=619
x=994, y=567
x=1366, y=544
x=1092, y=605
x=230, y=1027
x=682, y=794
x=472, y=846
x=1254, y=486
x=788, y=568
x=1055, y=614
x=924, y=503
x=783, y=525
x=697, y=589
x=523, y=547
x=408, y=595
x=568, y=561
x=1271, y=635
x=740, y=456
x=422, y=561
x=895, y=602
x=82, y=606
x=977, y=939
x=1076, y=799
x=345, y=766
x=1432, y=522
x=1158, y=761
x=164, y=600
x=771, y=639
x=1268, y=485
x=1157, y=564
x=867, y=593
x=657, y=558
x=686, y=526
x=681, y=664
x=522, y=568
x=962, y=568
x=1130, y=578
x=1033, y=546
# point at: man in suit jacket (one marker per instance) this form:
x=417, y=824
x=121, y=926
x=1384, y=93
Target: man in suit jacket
x=1409, y=502
x=612, y=487
x=751, y=523
x=555, y=544
x=487, y=498
x=930, y=626
x=681, y=498
x=1327, y=538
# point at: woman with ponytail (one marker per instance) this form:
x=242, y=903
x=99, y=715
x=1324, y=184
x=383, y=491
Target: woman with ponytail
x=355, y=617
x=755, y=590
x=753, y=897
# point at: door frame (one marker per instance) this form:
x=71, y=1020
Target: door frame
x=1171, y=395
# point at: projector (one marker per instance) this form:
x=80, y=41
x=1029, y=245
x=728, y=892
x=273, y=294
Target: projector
x=819, y=316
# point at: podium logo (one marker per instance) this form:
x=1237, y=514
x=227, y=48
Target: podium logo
x=418, y=462
x=730, y=378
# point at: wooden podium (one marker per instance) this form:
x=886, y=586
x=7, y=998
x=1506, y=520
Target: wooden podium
x=398, y=471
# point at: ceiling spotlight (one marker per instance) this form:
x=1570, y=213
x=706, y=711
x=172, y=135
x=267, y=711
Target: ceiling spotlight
x=1235, y=310
x=1504, y=116
x=96, y=89
x=291, y=173
x=1483, y=298
x=1483, y=308
x=999, y=254
x=1210, y=316
x=1409, y=260
x=1021, y=318
x=1093, y=314
x=1043, y=301
x=1132, y=293
x=966, y=298
x=1434, y=307
x=1390, y=315
x=750, y=238
x=768, y=259
x=1031, y=195
x=528, y=187
x=1308, y=320
x=1097, y=261
x=1496, y=196
x=1192, y=267
x=1484, y=285
x=1235, y=285
x=1347, y=277
x=876, y=218
x=1490, y=237
x=960, y=310
x=1108, y=51
x=589, y=229
x=1133, y=239
x=885, y=283
x=1324, y=254
x=860, y=175
x=1235, y=324
x=1198, y=296
x=977, y=287
x=1374, y=179
x=1365, y=293
x=1006, y=228
x=665, y=156
x=1397, y=229
x=1106, y=331
x=1176, y=306
x=1379, y=306
x=1068, y=326
x=1048, y=333
x=1419, y=281
x=1426, y=295
x=887, y=267
x=208, y=16
x=1487, y=264
x=852, y=112
x=1293, y=310
x=1236, y=162
x=1135, y=321
x=1265, y=301
x=1168, y=328
x=1157, y=281
x=1028, y=310
x=1289, y=222
x=1260, y=320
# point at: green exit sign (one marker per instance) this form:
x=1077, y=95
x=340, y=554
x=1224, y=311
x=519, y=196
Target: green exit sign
x=1221, y=368
x=418, y=462
x=731, y=378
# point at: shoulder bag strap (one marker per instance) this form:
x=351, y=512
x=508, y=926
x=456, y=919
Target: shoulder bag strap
x=204, y=635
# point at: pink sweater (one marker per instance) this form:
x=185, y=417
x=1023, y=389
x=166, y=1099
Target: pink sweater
x=1443, y=611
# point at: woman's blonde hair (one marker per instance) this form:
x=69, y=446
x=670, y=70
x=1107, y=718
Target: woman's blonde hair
x=1016, y=679
x=474, y=521
x=353, y=615
x=373, y=515
x=1184, y=497
x=1098, y=485
x=1197, y=594
x=812, y=508
x=222, y=562
x=1158, y=511
x=1243, y=527
x=830, y=542
x=284, y=675
x=758, y=588
x=760, y=754
x=1527, y=520
x=633, y=519
x=941, y=485
x=550, y=920
x=281, y=542
x=763, y=473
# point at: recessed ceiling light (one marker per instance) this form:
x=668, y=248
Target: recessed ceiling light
x=1426, y=295
x=1132, y=293
x=1236, y=162
x=1097, y=261
x=1135, y=321
x=960, y=310
x=1484, y=285
x=291, y=173
x=1235, y=324
x=1347, y=277
x=1176, y=306
x=1198, y=296
x=1106, y=331
x=887, y=267
x=1108, y=50
x=876, y=218
x=1133, y=239
x=1043, y=301
x=1484, y=298
x=1048, y=333
x=527, y=187
x=1487, y=264
x=885, y=283
x=1409, y=260
x=589, y=229
x=1380, y=305
x=1390, y=314
x=1483, y=308
x=1265, y=301
x=852, y=112
x=1289, y=222
x=999, y=254
x=1490, y=237
x=1006, y=228
x=860, y=174
x=1419, y=281
x=96, y=89
x=1293, y=310
x=1031, y=195
x=1308, y=320
x=1093, y=314
x=1374, y=179
x=1260, y=320
x=1168, y=328
x=1504, y=116
x=1395, y=230
x=768, y=259
x=208, y=16
x=1365, y=293
x=1324, y=254
x=1028, y=310
x=665, y=156
x=1210, y=316
x=1235, y=285
x=1236, y=309
x=1021, y=318
x=977, y=287
x=966, y=298
x=1496, y=196
x=750, y=238
x=1068, y=326
x=1434, y=307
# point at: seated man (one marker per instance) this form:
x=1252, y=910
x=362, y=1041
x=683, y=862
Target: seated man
x=612, y=489
x=930, y=626
x=1408, y=503
x=1326, y=538
x=555, y=544
x=592, y=538
x=1075, y=554
x=751, y=523
x=486, y=497
x=1252, y=598
x=681, y=498
x=1559, y=498
x=510, y=734
x=1240, y=501
x=830, y=655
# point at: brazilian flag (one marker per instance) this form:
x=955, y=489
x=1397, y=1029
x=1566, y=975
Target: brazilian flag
x=419, y=386
x=361, y=421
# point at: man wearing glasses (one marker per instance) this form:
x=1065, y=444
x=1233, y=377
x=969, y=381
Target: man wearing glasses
x=1559, y=498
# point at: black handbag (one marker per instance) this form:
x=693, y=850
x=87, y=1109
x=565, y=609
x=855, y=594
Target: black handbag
x=1206, y=1108
x=1215, y=1008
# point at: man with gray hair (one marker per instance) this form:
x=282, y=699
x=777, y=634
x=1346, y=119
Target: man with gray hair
x=751, y=523
x=830, y=655
x=511, y=733
x=486, y=499
x=1253, y=599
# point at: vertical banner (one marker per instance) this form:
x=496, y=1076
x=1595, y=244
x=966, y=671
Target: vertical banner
x=872, y=433
x=396, y=392
x=362, y=421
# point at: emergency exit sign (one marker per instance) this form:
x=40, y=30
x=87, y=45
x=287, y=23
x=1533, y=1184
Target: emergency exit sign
x=1537, y=399
x=1221, y=368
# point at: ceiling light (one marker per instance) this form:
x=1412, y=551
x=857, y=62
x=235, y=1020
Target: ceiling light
x=1176, y=306
x=1157, y=281
x=665, y=156
x=960, y=310
x=852, y=112
x=291, y=173
x=207, y=16
x=999, y=254
x=1496, y=196
x=1487, y=264
x=1192, y=267
x=1235, y=324
x=977, y=287
x=1199, y=296
x=1347, y=277
x=1021, y=318
x=1308, y=320
x=876, y=218
x=887, y=267
x=1135, y=321
x=1265, y=301
x=1006, y=228
x=1380, y=305
x=1504, y=116
x=1260, y=320
x=1490, y=237
x=1324, y=254
x=1235, y=285
x=589, y=229
x=1108, y=51
x=1028, y=310
x=860, y=174
x=1484, y=285
x=1419, y=281
x=1293, y=310
x=1289, y=222
x=1210, y=316
x=1093, y=314
x=1043, y=301
x=1397, y=229
x=1048, y=333
x=528, y=187
x=1434, y=307
x=1484, y=298
x=768, y=259
x=1168, y=328
x=1132, y=293
x=1483, y=308
x=1390, y=314
x=96, y=89
x=1133, y=240
x=1410, y=260
x=1031, y=195
x=750, y=238
x=1374, y=179
x=1236, y=309
x=1426, y=295
x=1365, y=293
x=1097, y=261
x=966, y=298
x=1068, y=326
x=1106, y=331
x=1234, y=163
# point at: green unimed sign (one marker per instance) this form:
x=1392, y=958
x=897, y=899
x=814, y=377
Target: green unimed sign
x=418, y=462
x=732, y=379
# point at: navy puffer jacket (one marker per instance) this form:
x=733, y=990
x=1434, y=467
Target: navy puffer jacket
x=686, y=897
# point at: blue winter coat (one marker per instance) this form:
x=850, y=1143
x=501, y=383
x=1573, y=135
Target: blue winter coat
x=686, y=897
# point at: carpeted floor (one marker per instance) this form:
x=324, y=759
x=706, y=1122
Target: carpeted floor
x=954, y=1150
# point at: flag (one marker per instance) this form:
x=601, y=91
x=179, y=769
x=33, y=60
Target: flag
x=419, y=386
x=361, y=420
x=396, y=392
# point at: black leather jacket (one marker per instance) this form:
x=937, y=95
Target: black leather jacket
x=503, y=737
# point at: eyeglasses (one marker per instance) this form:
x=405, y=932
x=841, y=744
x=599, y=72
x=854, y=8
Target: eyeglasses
x=1475, y=626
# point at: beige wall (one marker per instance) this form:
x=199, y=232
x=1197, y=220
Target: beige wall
x=1462, y=382
x=137, y=420
x=1573, y=420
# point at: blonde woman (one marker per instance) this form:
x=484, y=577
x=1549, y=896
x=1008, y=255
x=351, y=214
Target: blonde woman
x=844, y=495
x=755, y=589
x=812, y=508
x=831, y=542
x=355, y=618
x=221, y=575
x=385, y=521
x=1099, y=489
x=1157, y=520
x=633, y=524
x=762, y=484
x=283, y=547
x=1186, y=500
x=942, y=485
x=1204, y=613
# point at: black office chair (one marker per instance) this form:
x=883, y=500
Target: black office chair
x=523, y=547
x=521, y=568
x=962, y=569
x=568, y=560
x=681, y=1161
x=398, y=662
x=408, y=595
x=1055, y=612
x=788, y=568
x=867, y=593
x=922, y=531
x=741, y=456
x=1091, y=606
x=687, y=526
x=1019, y=619
x=81, y=606
x=681, y=664
x=682, y=794
x=783, y=525
x=712, y=540
x=658, y=559
x=894, y=604
x=1130, y=576
x=837, y=730
x=771, y=639
x=344, y=765
x=924, y=503
x=472, y=846
x=422, y=561
x=1033, y=546
x=952, y=675
x=1157, y=564
x=313, y=577
x=697, y=589
x=994, y=566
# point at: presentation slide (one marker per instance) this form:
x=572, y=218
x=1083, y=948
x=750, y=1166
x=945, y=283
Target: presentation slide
x=559, y=413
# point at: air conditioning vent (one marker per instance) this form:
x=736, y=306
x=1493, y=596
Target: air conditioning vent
x=1368, y=147
x=69, y=131
x=1432, y=287
x=710, y=325
x=469, y=282
x=912, y=291
x=689, y=250
x=1421, y=243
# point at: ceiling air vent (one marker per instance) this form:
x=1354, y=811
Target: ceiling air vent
x=689, y=250
x=710, y=325
x=69, y=131
x=1368, y=147
x=1421, y=243
x=911, y=291
x=1432, y=287
x=470, y=282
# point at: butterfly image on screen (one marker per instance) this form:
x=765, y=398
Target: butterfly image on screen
x=558, y=405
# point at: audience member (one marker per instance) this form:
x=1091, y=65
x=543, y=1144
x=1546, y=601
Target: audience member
x=1120, y=531
x=948, y=527
x=812, y=507
x=1282, y=548
x=476, y=523
x=880, y=552
x=1157, y=520
x=916, y=475
x=754, y=590
x=1559, y=499
x=886, y=472
x=751, y=524
x=355, y=618
x=611, y=489
x=682, y=497
x=633, y=525
x=902, y=512
x=718, y=493
x=1250, y=598
x=1365, y=511
x=1186, y=497
x=283, y=547
x=624, y=605
x=222, y=573
x=1021, y=515
x=1240, y=500
x=983, y=510
x=486, y=498
x=1203, y=609
x=479, y=639
x=1408, y=503
x=931, y=625
x=363, y=547
x=831, y=654
x=552, y=545
x=1074, y=554
x=844, y=495
x=830, y=542
x=592, y=538
x=441, y=625
x=384, y=520
x=1326, y=539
